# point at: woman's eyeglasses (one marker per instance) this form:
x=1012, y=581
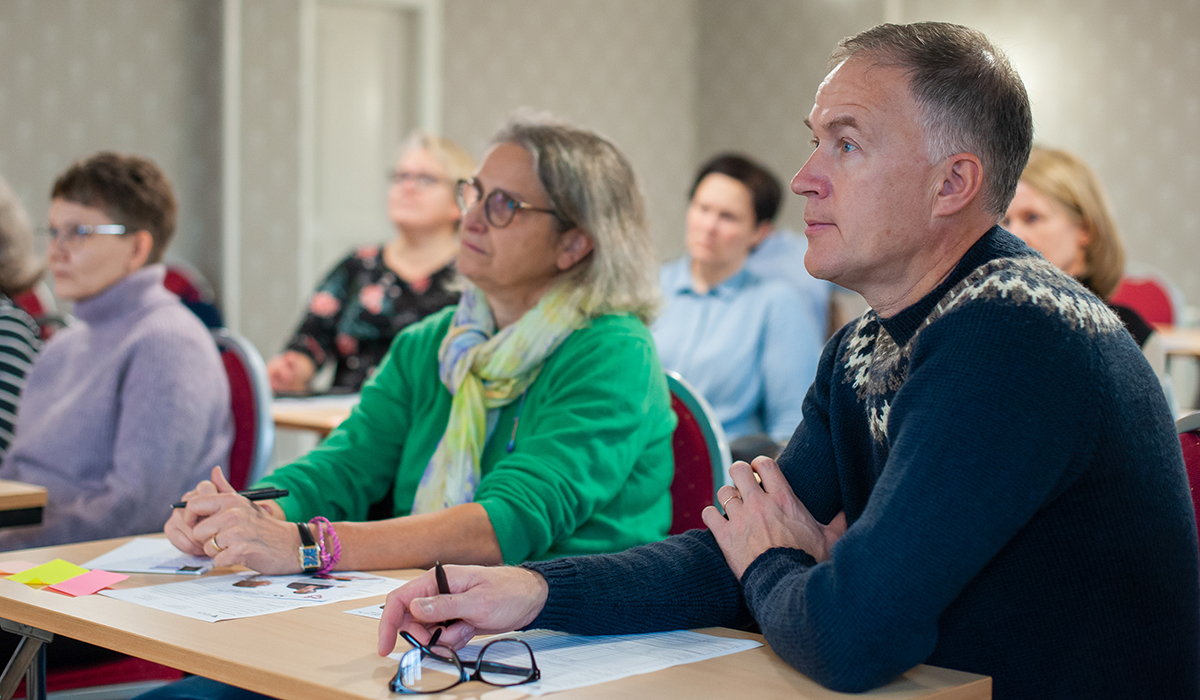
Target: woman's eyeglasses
x=498, y=206
x=434, y=668
x=421, y=181
x=73, y=236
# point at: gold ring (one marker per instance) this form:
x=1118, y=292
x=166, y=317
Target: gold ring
x=216, y=546
x=727, y=500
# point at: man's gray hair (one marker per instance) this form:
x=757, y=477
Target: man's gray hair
x=973, y=99
x=592, y=186
x=20, y=267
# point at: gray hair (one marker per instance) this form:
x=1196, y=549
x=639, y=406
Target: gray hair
x=972, y=98
x=592, y=185
x=20, y=267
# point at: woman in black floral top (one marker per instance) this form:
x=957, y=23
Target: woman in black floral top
x=378, y=290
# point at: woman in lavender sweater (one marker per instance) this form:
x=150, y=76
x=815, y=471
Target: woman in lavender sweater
x=126, y=409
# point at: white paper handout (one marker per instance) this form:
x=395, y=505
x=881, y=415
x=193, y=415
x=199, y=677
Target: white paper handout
x=247, y=594
x=570, y=661
x=375, y=612
x=150, y=555
x=316, y=403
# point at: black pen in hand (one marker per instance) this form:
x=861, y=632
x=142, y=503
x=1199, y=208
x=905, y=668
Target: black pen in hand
x=253, y=495
x=443, y=588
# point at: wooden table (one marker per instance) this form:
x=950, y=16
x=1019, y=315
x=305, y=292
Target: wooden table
x=1180, y=341
x=20, y=503
x=319, y=414
x=320, y=653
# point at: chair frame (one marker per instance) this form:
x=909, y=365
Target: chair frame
x=1188, y=423
x=714, y=434
x=264, y=445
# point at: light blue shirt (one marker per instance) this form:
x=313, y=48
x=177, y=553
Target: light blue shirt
x=750, y=346
x=781, y=257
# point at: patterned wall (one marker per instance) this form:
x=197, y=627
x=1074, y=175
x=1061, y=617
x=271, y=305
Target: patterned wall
x=269, y=169
x=140, y=76
x=622, y=67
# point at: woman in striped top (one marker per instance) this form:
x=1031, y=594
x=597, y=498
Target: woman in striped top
x=20, y=269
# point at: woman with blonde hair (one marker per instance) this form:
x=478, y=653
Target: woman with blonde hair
x=376, y=291
x=531, y=420
x=20, y=269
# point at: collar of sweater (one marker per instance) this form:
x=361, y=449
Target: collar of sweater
x=139, y=289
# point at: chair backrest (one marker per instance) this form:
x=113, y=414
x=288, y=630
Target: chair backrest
x=1188, y=428
x=701, y=455
x=250, y=400
x=1148, y=292
x=194, y=291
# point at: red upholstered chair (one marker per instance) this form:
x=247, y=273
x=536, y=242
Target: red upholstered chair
x=1148, y=292
x=701, y=455
x=1188, y=428
x=194, y=291
x=250, y=397
x=38, y=302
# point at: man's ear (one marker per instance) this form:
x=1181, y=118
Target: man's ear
x=143, y=244
x=961, y=180
x=574, y=245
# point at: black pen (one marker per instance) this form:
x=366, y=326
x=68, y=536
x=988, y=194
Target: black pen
x=443, y=587
x=253, y=495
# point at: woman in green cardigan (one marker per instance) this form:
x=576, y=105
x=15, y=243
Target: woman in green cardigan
x=531, y=421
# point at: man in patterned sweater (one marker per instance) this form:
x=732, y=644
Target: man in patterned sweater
x=986, y=477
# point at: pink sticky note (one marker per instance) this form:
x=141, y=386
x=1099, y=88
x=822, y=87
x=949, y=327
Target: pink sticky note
x=15, y=566
x=89, y=583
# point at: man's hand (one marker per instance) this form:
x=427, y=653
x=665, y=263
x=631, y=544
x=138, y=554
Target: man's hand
x=484, y=599
x=231, y=529
x=765, y=516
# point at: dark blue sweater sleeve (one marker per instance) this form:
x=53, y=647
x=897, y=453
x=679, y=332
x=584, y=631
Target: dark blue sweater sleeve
x=679, y=583
x=987, y=427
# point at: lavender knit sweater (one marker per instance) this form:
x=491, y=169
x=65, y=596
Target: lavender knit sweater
x=122, y=413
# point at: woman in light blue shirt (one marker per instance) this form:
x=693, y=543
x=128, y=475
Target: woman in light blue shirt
x=748, y=344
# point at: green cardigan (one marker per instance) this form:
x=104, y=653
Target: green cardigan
x=590, y=464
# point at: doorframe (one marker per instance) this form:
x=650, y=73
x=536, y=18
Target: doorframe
x=429, y=109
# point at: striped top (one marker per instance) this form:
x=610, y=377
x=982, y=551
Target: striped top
x=19, y=344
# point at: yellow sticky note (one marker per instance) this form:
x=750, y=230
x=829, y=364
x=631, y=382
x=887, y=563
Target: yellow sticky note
x=49, y=573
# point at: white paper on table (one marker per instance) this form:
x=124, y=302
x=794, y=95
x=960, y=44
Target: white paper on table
x=316, y=403
x=150, y=555
x=571, y=661
x=215, y=598
x=375, y=612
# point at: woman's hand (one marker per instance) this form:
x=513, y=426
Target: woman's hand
x=290, y=371
x=484, y=599
x=233, y=530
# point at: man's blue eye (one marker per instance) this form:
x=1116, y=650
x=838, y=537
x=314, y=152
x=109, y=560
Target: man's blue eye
x=847, y=147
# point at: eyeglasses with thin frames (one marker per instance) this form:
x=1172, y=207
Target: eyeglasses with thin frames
x=498, y=206
x=501, y=662
x=74, y=236
x=421, y=181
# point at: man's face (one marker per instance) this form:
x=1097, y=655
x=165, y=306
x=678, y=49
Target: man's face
x=869, y=182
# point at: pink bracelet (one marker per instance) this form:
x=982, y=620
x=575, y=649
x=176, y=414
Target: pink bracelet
x=328, y=559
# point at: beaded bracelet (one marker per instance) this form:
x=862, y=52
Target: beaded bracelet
x=328, y=559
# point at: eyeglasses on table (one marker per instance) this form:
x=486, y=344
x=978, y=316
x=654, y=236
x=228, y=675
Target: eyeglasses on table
x=434, y=668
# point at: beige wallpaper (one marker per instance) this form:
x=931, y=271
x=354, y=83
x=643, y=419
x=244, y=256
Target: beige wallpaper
x=622, y=67
x=79, y=76
x=269, y=170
